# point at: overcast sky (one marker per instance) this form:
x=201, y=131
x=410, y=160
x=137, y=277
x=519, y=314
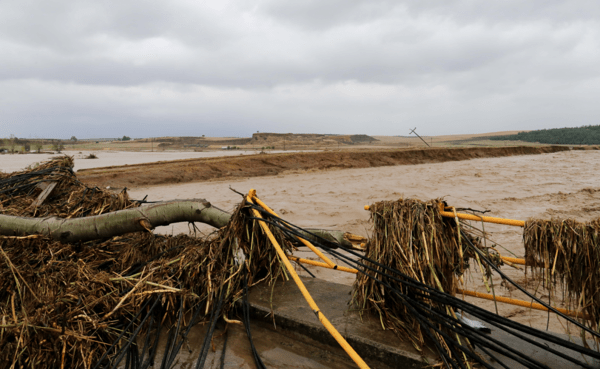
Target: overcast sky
x=107, y=68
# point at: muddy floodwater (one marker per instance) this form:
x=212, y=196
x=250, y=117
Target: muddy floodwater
x=564, y=184
x=105, y=158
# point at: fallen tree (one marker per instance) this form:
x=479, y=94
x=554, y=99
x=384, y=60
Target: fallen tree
x=49, y=200
x=138, y=219
x=72, y=295
x=115, y=223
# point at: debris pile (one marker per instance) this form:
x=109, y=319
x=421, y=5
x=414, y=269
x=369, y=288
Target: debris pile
x=411, y=237
x=90, y=304
x=22, y=193
x=409, y=277
x=567, y=251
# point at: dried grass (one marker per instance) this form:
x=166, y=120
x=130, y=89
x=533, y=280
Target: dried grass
x=409, y=236
x=63, y=305
x=70, y=198
x=567, y=251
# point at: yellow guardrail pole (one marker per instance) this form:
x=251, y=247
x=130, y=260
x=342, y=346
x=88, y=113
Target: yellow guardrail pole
x=323, y=265
x=511, y=222
x=313, y=305
x=480, y=295
x=513, y=260
x=532, y=305
x=305, y=242
x=479, y=218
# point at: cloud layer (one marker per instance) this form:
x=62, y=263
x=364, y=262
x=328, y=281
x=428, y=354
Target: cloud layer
x=150, y=68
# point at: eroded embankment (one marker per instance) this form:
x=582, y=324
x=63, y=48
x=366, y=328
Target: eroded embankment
x=195, y=170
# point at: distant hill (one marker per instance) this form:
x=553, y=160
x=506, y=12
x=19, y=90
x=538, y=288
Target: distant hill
x=308, y=139
x=258, y=140
x=584, y=135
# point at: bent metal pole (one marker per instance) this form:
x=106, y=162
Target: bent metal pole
x=313, y=305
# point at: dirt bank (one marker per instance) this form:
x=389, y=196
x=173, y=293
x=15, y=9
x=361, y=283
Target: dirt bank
x=194, y=170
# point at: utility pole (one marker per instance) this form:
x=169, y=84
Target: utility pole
x=413, y=131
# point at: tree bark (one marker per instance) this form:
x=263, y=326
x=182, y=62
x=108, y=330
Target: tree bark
x=115, y=223
x=138, y=219
x=332, y=236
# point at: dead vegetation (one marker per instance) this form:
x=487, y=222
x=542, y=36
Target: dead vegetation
x=410, y=274
x=410, y=236
x=568, y=252
x=86, y=304
x=70, y=198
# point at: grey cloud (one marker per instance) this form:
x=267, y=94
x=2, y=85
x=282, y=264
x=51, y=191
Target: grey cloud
x=315, y=65
x=319, y=15
x=510, y=11
x=71, y=27
x=386, y=53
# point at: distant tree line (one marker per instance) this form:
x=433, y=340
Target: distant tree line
x=14, y=144
x=584, y=135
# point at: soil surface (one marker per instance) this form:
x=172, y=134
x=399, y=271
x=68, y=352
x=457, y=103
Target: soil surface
x=244, y=166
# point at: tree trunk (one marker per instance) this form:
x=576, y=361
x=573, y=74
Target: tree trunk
x=332, y=236
x=138, y=219
x=115, y=223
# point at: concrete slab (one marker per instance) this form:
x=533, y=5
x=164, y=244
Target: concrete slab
x=537, y=353
x=366, y=336
x=277, y=350
x=285, y=309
